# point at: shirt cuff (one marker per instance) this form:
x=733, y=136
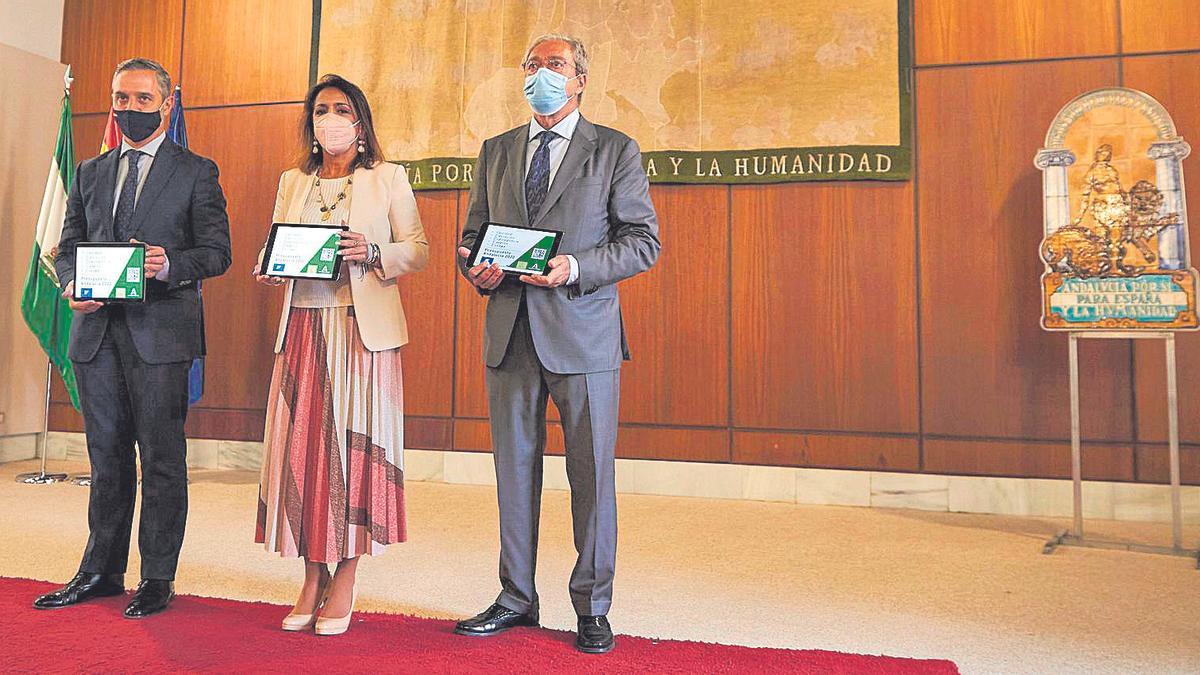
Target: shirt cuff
x=166, y=269
x=574, y=270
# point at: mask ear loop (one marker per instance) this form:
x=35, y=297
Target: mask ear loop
x=575, y=78
x=361, y=146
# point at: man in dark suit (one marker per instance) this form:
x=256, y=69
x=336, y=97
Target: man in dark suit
x=558, y=335
x=132, y=360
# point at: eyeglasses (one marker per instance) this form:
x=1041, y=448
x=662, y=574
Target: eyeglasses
x=556, y=64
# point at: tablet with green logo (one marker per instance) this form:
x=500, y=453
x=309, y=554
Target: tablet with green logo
x=110, y=271
x=303, y=251
x=517, y=250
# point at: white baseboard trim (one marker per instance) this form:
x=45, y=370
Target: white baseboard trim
x=832, y=487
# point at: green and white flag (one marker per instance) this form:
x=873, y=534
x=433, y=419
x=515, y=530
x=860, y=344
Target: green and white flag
x=42, y=304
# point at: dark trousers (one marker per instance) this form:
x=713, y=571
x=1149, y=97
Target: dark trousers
x=125, y=399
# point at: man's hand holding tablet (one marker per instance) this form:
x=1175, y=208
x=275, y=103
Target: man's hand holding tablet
x=559, y=270
x=156, y=258
x=484, y=275
x=85, y=306
x=110, y=272
x=524, y=252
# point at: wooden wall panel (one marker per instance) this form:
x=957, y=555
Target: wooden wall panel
x=470, y=395
x=428, y=298
x=834, y=451
x=1159, y=25
x=1027, y=459
x=673, y=443
x=633, y=441
x=99, y=34
x=1173, y=81
x=1153, y=465
x=428, y=433
x=1151, y=385
x=824, y=308
x=62, y=416
x=225, y=424
x=475, y=435
x=988, y=369
x=973, y=31
x=88, y=132
x=251, y=146
x=677, y=315
x=237, y=52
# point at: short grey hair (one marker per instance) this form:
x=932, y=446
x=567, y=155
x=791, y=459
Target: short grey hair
x=160, y=73
x=578, y=51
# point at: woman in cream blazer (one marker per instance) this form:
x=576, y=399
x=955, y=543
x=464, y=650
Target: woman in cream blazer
x=384, y=212
x=332, y=484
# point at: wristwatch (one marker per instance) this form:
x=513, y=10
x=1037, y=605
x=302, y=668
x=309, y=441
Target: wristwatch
x=373, y=257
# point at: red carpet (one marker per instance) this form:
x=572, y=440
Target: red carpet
x=205, y=634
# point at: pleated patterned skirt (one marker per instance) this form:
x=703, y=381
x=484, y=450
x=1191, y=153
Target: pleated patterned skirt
x=332, y=484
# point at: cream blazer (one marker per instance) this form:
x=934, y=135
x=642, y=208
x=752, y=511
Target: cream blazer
x=383, y=208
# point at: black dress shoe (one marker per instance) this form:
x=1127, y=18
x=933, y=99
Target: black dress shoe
x=82, y=588
x=595, y=635
x=151, y=597
x=493, y=620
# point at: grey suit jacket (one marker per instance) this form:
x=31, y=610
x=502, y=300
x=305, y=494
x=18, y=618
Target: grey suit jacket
x=600, y=200
x=182, y=209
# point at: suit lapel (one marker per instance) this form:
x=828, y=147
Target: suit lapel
x=165, y=162
x=106, y=183
x=583, y=144
x=516, y=171
x=362, y=198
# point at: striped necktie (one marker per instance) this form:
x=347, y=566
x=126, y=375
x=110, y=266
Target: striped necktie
x=537, y=183
x=123, y=218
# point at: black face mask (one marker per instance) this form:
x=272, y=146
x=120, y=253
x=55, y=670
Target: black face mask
x=137, y=126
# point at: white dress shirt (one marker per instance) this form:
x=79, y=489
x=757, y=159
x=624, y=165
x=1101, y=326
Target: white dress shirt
x=148, y=151
x=564, y=130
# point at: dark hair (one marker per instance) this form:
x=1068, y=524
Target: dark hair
x=161, y=76
x=372, y=153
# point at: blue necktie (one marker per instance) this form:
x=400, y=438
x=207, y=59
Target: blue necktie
x=123, y=218
x=537, y=183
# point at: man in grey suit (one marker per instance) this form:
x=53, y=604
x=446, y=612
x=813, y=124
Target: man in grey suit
x=132, y=360
x=561, y=334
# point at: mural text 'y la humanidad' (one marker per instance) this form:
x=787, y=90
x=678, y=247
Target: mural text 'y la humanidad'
x=753, y=91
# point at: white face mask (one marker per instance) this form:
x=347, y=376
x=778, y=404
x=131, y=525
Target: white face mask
x=335, y=133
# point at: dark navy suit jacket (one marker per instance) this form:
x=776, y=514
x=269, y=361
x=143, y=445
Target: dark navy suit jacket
x=182, y=209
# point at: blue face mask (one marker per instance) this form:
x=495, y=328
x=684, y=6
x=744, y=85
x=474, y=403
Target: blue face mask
x=546, y=91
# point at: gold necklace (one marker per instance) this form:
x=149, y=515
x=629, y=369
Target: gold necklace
x=326, y=209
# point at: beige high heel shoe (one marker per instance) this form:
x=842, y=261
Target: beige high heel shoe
x=336, y=626
x=298, y=622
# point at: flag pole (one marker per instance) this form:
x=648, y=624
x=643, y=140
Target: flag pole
x=41, y=477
